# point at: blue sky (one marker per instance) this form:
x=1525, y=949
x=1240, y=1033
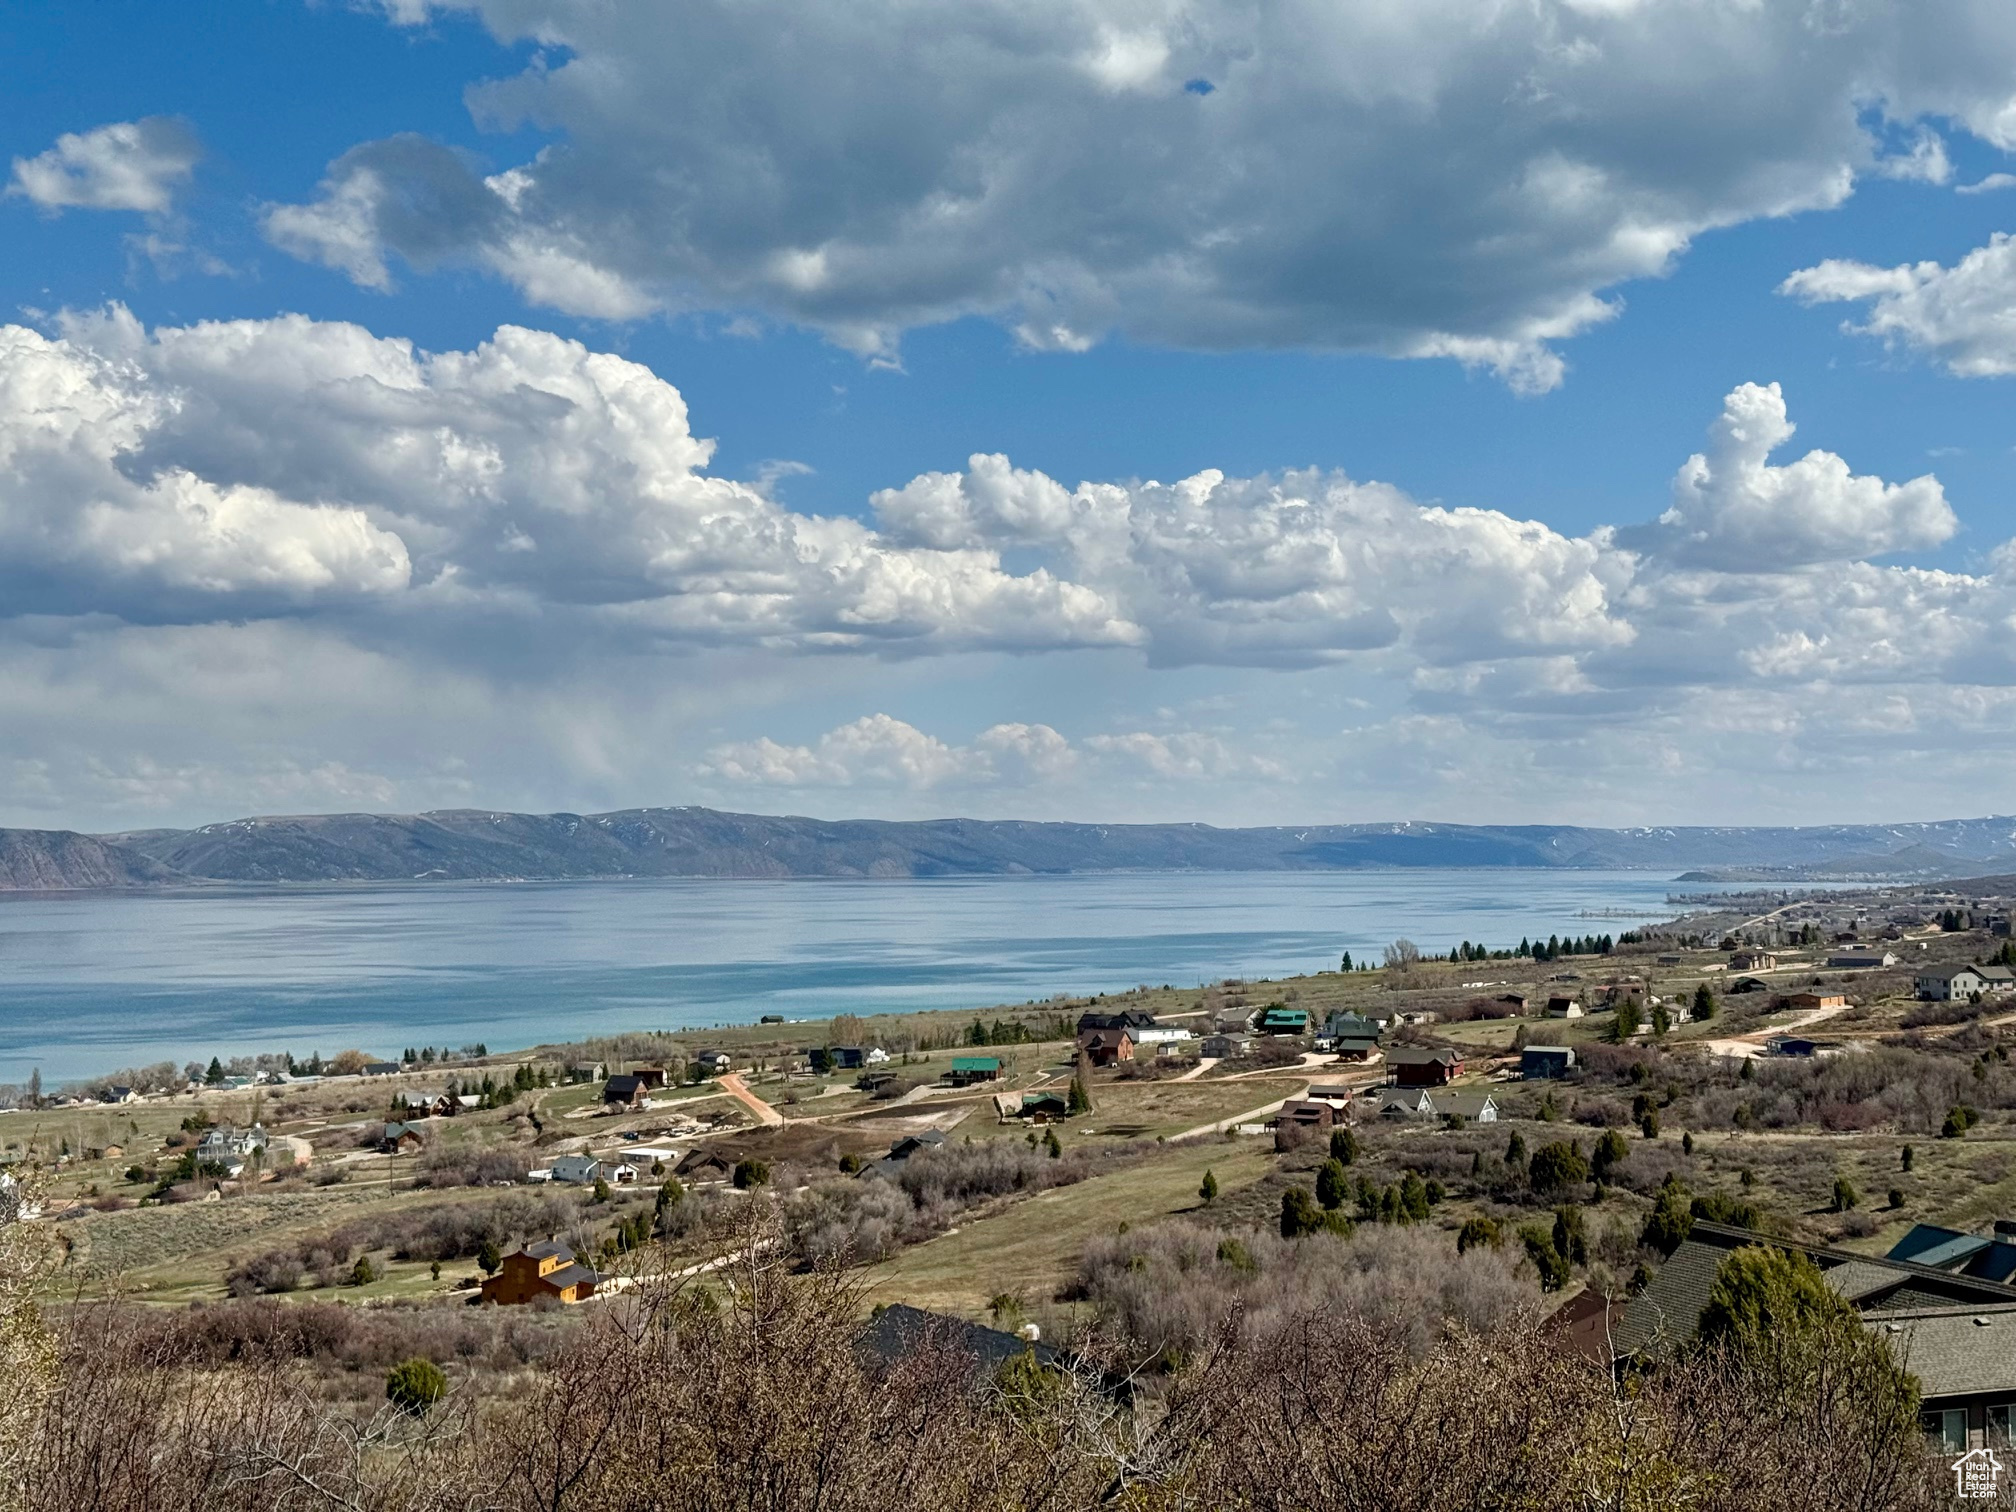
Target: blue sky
x=1442, y=319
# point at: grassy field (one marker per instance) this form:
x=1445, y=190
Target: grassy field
x=1032, y=1245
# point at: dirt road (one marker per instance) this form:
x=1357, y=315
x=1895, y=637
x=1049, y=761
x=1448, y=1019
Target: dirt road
x=1749, y=1046
x=765, y=1114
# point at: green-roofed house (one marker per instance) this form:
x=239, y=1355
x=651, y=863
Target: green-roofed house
x=968, y=1069
x=1284, y=1021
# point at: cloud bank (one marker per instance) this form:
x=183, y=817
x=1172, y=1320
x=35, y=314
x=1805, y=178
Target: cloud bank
x=1453, y=178
x=289, y=545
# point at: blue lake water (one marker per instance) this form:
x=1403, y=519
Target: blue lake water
x=93, y=982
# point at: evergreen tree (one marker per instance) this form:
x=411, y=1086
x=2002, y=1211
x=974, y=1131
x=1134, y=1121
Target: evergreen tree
x=1414, y=1197
x=1079, y=1099
x=1610, y=1149
x=1052, y=1145
x=1208, y=1191
x=1477, y=1231
x=1515, y=1151
x=214, y=1077
x=1845, y=1195
x=1905, y=1156
x=1671, y=1221
x=1571, y=1240
x=1332, y=1185
x=1299, y=1213
x=1344, y=1146
x=1704, y=1003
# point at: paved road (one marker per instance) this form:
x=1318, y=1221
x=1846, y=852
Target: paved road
x=765, y=1114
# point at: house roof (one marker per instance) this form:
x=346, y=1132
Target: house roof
x=1464, y=1104
x=574, y=1274
x=1285, y=1016
x=1954, y=1351
x=548, y=1249
x=1350, y=1025
x=1949, y=1249
x=624, y=1085
x=1669, y=1310
x=1105, y=1039
x=397, y=1130
x=1424, y=1057
x=976, y=1063
x=1567, y=1050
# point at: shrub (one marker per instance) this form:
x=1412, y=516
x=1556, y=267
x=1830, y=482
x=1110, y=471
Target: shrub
x=1207, y=1190
x=1332, y=1185
x=751, y=1173
x=1477, y=1230
x=414, y=1386
x=1557, y=1165
x=1670, y=1222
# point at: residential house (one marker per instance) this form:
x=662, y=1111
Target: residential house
x=1424, y=1068
x=1163, y=1036
x=544, y=1270
x=965, y=1070
x=1860, y=960
x=1130, y=1018
x=1410, y=1102
x=1990, y=1257
x=856, y=1057
x=1559, y=1007
x=1747, y=984
x=1304, y=1113
x=642, y=1157
x=381, y=1068
x=1942, y=984
x=702, y=1165
x=119, y=1094
x=427, y=1104
x=873, y=1081
x=1792, y=1045
x=586, y=1170
x=1516, y=1001
x=1470, y=1107
x=903, y=1151
x=1226, y=1046
x=1044, y=1107
x=1753, y=960
x=1956, y=1332
x=1351, y=1027
x=714, y=1062
x=400, y=1139
x=1106, y=1047
x=224, y=1143
x=1420, y=1018
x=653, y=1077
x=1284, y=1021
x=1814, y=1000
x=1337, y=1096
x=1546, y=1062
x=624, y=1091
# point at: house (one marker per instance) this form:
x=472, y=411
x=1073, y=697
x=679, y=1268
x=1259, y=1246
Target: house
x=714, y=1062
x=118, y=1094
x=1226, y=1046
x=1546, y=1062
x=1337, y=1096
x=544, y=1270
x=1420, y=1018
x=224, y=1143
x=1814, y=1000
x=904, y=1150
x=1753, y=960
x=1747, y=984
x=1470, y=1107
x=400, y=1139
x=1955, y=1332
x=624, y=1091
x=653, y=1077
x=968, y=1069
x=1303, y=1113
x=586, y=1170
x=1860, y=960
x=873, y=1081
x=381, y=1068
x=1346, y=1026
x=642, y=1157
x=1424, y=1068
x=1413, y=1102
x=1671, y=960
x=1991, y=1257
x=427, y=1104
x=1563, y=1008
x=1106, y=1047
x=856, y=1057
x=1162, y=1036
x=1044, y=1107
x=1516, y=1001
x=1791, y=1044
x=1943, y=984
x=702, y=1165
x=1131, y=1018
x=1284, y=1021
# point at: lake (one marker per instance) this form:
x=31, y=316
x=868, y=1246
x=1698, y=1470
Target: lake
x=90, y=982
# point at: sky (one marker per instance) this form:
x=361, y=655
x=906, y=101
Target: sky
x=1512, y=411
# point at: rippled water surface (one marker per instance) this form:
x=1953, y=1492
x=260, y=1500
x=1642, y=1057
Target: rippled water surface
x=90, y=982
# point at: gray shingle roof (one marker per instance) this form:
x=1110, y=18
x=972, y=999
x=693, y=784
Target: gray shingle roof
x=1954, y=1351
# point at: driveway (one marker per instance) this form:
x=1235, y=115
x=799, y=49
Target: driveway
x=1750, y=1046
x=731, y=1083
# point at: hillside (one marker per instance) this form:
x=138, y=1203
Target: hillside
x=472, y=845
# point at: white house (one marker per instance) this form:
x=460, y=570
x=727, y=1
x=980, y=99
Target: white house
x=1954, y=983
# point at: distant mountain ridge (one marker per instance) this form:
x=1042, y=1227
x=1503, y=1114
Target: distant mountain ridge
x=484, y=845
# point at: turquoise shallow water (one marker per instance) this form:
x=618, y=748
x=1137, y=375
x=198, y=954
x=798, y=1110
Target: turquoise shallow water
x=91, y=982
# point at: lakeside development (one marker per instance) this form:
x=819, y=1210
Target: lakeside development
x=1507, y=1140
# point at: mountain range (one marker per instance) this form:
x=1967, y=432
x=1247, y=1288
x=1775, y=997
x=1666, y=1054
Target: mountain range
x=481, y=845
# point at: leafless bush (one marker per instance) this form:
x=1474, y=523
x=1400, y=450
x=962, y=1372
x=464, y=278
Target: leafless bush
x=470, y=1165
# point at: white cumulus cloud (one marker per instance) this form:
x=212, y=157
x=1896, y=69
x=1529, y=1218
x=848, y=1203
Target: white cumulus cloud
x=1963, y=317
x=127, y=165
x=1456, y=178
